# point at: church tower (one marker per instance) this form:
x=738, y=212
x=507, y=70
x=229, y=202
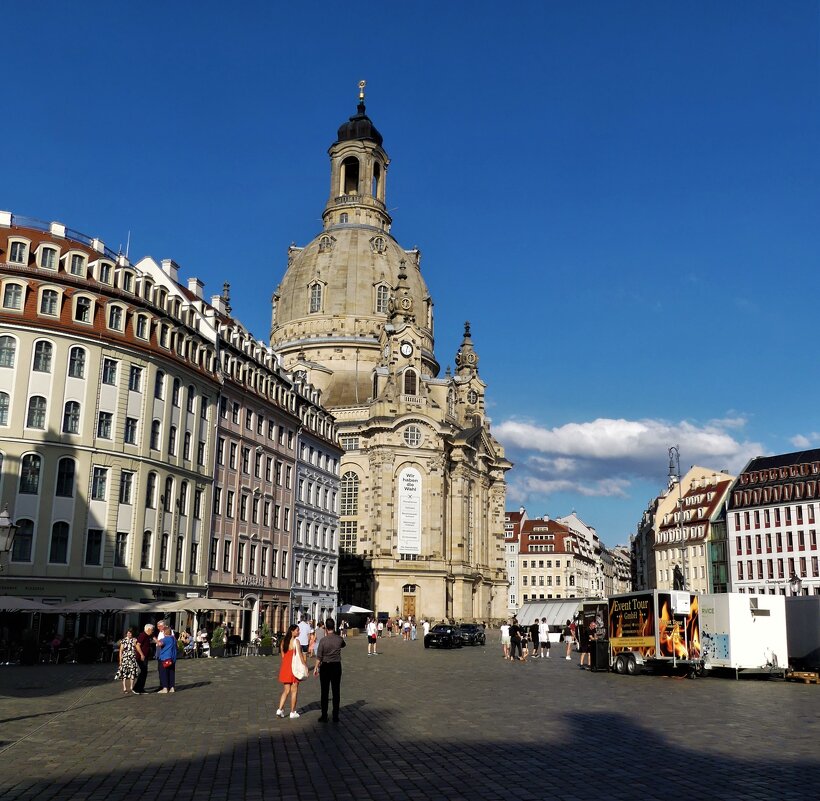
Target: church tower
x=422, y=478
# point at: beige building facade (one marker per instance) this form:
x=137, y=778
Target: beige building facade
x=422, y=485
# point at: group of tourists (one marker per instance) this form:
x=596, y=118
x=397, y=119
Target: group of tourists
x=520, y=643
x=136, y=652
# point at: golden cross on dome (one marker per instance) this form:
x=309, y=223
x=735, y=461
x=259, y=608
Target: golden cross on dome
x=362, y=85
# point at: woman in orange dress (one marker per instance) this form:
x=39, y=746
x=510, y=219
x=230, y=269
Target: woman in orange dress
x=289, y=647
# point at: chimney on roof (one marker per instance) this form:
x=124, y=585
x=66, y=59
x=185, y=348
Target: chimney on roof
x=218, y=303
x=195, y=287
x=57, y=229
x=171, y=269
x=545, y=518
x=522, y=510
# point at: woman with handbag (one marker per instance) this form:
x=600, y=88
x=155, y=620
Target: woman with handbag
x=292, y=670
x=166, y=657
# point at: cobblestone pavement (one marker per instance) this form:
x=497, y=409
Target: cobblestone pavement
x=416, y=724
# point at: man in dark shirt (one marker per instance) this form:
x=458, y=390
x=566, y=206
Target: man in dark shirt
x=144, y=640
x=329, y=668
x=516, y=637
x=534, y=638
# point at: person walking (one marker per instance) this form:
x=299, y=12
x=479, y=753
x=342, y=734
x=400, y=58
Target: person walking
x=566, y=633
x=505, y=639
x=329, y=669
x=516, y=638
x=290, y=649
x=535, y=633
x=318, y=634
x=371, y=631
x=305, y=630
x=143, y=655
x=130, y=653
x=166, y=657
x=425, y=626
x=544, y=638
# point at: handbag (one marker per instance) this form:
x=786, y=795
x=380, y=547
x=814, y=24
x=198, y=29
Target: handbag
x=298, y=667
x=166, y=663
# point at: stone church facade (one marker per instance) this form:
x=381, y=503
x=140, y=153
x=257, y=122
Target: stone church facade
x=422, y=478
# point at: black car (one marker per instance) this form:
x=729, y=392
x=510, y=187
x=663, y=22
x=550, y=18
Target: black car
x=443, y=636
x=472, y=634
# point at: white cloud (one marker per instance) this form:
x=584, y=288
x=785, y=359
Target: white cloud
x=799, y=441
x=605, y=457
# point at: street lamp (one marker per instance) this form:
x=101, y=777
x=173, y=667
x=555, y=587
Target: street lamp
x=674, y=472
x=7, y=532
x=796, y=584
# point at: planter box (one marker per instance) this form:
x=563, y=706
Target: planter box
x=217, y=652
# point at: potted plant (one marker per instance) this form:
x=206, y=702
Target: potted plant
x=266, y=646
x=218, y=642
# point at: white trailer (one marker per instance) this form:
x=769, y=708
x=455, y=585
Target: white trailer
x=744, y=633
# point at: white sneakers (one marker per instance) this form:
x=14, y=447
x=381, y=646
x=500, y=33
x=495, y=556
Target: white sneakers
x=569, y=657
x=163, y=690
x=294, y=715
x=280, y=713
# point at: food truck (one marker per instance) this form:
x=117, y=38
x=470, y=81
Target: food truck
x=654, y=629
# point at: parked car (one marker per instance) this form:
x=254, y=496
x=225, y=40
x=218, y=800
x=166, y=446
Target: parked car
x=444, y=636
x=472, y=634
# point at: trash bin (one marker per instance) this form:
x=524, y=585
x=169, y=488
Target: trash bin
x=599, y=655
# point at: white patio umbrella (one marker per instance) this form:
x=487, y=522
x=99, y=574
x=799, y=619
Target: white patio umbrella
x=99, y=605
x=10, y=603
x=350, y=609
x=196, y=605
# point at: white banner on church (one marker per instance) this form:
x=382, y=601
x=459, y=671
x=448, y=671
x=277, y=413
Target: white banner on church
x=410, y=511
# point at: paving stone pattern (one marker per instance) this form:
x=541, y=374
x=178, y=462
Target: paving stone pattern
x=415, y=725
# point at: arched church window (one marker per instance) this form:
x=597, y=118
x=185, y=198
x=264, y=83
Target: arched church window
x=375, y=186
x=350, y=176
x=350, y=494
x=315, y=298
x=412, y=436
x=451, y=403
x=410, y=383
x=382, y=296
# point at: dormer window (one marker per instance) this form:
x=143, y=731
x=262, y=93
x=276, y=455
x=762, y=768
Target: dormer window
x=76, y=264
x=12, y=296
x=127, y=282
x=115, y=317
x=83, y=310
x=48, y=258
x=18, y=252
x=105, y=272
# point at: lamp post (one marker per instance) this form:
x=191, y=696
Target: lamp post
x=674, y=472
x=796, y=584
x=7, y=532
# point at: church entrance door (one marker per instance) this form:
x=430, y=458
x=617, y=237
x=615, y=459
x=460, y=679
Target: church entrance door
x=409, y=606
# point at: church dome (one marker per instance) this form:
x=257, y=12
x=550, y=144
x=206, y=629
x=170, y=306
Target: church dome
x=359, y=126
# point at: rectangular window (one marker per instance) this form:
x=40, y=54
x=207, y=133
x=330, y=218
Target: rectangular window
x=274, y=562
x=121, y=549
x=115, y=318
x=263, y=564
x=130, y=435
x=229, y=504
x=249, y=419
x=198, y=504
x=255, y=511
x=135, y=378
x=243, y=508
x=48, y=302
x=240, y=558
x=212, y=560
x=266, y=514
x=217, y=500
x=257, y=466
x=77, y=264
x=126, y=487
x=235, y=413
x=179, y=554
x=194, y=563
x=145, y=556
x=200, y=453
x=13, y=297
x=246, y=460
x=232, y=458
x=284, y=564
x=99, y=484
x=163, y=552
x=288, y=476
x=18, y=252
x=220, y=451
x=252, y=560
x=105, y=425
x=109, y=372
x=279, y=473
x=93, y=546
x=286, y=522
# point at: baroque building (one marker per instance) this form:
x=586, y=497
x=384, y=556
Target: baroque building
x=422, y=478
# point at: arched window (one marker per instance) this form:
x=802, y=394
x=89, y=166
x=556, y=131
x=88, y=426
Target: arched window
x=58, y=550
x=156, y=429
x=183, y=497
x=8, y=346
x=175, y=393
x=151, y=491
x=76, y=363
x=350, y=494
x=30, y=474
x=49, y=302
x=382, y=296
x=315, y=298
x=350, y=176
x=42, y=357
x=115, y=317
x=36, y=417
x=172, y=441
x=191, y=398
x=23, y=541
x=168, y=495
x=4, y=408
x=159, y=385
x=410, y=383
x=71, y=418
x=145, y=558
x=13, y=296
x=66, y=469
x=375, y=184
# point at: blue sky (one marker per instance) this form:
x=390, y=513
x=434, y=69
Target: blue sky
x=622, y=198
